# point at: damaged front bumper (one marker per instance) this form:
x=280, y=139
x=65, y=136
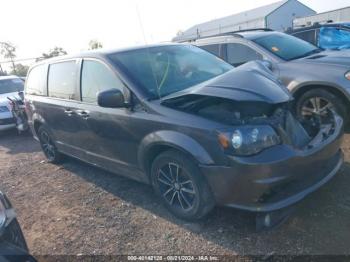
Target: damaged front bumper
x=278, y=176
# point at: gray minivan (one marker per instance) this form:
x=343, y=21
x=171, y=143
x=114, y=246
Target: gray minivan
x=174, y=116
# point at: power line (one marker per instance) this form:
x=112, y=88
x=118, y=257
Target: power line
x=18, y=60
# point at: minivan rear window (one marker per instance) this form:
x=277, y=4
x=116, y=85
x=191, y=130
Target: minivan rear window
x=62, y=80
x=36, y=81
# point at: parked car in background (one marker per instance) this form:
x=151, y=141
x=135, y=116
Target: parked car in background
x=326, y=36
x=9, y=87
x=318, y=79
x=13, y=246
x=178, y=118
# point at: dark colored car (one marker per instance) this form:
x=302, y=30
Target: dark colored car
x=178, y=118
x=13, y=246
x=317, y=79
x=325, y=36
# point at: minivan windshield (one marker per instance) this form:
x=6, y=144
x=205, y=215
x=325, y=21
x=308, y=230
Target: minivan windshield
x=11, y=85
x=286, y=46
x=163, y=70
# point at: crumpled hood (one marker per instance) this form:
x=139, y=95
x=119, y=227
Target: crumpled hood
x=249, y=82
x=330, y=57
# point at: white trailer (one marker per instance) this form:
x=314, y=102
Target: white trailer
x=277, y=16
x=335, y=16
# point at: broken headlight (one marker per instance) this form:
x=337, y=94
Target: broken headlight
x=249, y=140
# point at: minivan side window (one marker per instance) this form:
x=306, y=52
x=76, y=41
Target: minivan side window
x=214, y=49
x=36, y=81
x=62, y=80
x=238, y=54
x=96, y=77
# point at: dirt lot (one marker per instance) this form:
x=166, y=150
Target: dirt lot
x=78, y=209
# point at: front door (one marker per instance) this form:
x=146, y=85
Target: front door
x=109, y=138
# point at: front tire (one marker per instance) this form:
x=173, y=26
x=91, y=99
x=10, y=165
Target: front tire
x=178, y=183
x=317, y=103
x=48, y=146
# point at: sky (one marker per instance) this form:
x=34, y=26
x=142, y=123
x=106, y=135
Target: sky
x=36, y=26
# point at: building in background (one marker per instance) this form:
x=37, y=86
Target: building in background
x=334, y=16
x=278, y=16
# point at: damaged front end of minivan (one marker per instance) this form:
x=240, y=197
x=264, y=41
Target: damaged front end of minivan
x=274, y=159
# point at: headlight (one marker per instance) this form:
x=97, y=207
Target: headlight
x=249, y=140
x=347, y=75
x=3, y=109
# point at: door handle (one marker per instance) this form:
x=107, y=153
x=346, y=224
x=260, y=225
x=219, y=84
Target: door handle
x=83, y=113
x=69, y=112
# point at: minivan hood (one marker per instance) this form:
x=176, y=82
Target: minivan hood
x=250, y=82
x=330, y=57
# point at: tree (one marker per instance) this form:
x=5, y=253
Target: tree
x=95, y=44
x=21, y=70
x=56, y=51
x=2, y=72
x=8, y=50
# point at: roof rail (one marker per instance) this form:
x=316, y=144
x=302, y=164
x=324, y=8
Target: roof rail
x=232, y=33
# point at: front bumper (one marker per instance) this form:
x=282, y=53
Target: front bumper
x=277, y=177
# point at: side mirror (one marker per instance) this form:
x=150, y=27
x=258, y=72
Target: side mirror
x=112, y=98
x=267, y=63
x=21, y=95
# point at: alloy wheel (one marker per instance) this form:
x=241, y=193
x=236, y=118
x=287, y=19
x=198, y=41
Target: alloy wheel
x=316, y=107
x=176, y=187
x=47, y=145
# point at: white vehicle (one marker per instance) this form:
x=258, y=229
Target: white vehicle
x=9, y=87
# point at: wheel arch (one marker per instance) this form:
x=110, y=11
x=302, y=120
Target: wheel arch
x=156, y=143
x=37, y=122
x=298, y=91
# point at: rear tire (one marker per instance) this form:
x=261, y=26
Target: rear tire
x=178, y=182
x=48, y=146
x=314, y=103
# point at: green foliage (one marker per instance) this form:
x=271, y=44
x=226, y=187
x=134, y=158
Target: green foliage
x=8, y=50
x=95, y=44
x=56, y=51
x=20, y=70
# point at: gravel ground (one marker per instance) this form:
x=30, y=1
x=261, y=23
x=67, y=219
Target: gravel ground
x=74, y=208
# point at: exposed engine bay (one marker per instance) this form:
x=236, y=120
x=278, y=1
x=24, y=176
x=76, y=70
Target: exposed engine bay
x=299, y=133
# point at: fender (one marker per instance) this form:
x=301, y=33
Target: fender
x=295, y=86
x=36, y=118
x=176, y=140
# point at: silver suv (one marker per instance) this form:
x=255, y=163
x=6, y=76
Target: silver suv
x=319, y=80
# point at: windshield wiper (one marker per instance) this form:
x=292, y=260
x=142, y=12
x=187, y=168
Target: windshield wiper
x=314, y=51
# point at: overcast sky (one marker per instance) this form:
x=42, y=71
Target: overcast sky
x=35, y=26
